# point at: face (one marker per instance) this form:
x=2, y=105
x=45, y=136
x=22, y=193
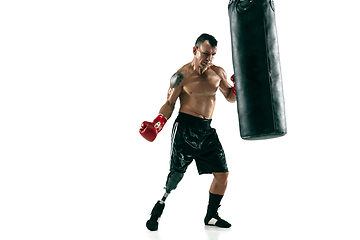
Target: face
x=204, y=54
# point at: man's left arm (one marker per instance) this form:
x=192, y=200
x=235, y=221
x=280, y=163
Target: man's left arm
x=225, y=88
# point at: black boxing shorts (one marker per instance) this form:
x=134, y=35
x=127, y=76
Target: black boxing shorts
x=194, y=139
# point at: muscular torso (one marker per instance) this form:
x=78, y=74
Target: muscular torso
x=196, y=90
x=197, y=97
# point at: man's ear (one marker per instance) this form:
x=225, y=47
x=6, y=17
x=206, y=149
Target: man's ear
x=194, y=50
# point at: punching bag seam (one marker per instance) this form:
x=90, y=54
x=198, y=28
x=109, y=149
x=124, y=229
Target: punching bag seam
x=269, y=64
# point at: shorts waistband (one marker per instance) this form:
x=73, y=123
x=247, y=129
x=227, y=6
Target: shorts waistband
x=192, y=121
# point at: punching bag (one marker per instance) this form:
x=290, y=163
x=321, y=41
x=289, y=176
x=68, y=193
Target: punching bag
x=258, y=82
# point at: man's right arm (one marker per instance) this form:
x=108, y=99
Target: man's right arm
x=149, y=130
x=174, y=92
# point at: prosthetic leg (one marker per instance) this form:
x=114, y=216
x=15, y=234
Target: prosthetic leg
x=171, y=183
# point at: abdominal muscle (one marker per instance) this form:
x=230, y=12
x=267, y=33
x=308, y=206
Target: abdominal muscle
x=202, y=107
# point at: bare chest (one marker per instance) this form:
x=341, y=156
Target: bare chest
x=206, y=85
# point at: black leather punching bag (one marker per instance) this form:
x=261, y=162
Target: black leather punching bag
x=256, y=63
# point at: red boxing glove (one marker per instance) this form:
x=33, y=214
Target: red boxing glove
x=233, y=88
x=149, y=130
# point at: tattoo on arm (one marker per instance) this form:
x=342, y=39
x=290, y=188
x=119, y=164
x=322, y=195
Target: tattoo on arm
x=176, y=79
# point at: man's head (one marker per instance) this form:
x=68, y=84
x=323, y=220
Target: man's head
x=204, y=50
x=205, y=37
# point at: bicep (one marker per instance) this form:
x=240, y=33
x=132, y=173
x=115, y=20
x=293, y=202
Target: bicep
x=224, y=84
x=173, y=94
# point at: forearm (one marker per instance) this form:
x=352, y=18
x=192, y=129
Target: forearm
x=231, y=96
x=167, y=109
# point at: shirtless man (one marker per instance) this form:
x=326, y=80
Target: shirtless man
x=192, y=137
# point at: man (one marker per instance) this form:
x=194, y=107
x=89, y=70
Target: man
x=195, y=84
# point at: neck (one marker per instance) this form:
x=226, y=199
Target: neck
x=197, y=68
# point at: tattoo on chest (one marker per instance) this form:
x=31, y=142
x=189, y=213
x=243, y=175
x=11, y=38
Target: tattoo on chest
x=176, y=79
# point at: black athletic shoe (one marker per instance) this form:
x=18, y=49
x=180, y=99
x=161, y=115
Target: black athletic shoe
x=153, y=223
x=212, y=219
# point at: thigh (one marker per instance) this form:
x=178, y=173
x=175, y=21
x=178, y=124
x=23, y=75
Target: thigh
x=212, y=158
x=180, y=152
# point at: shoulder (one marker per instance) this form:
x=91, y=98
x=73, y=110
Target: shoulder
x=219, y=71
x=177, y=78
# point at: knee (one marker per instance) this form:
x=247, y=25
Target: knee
x=173, y=180
x=221, y=177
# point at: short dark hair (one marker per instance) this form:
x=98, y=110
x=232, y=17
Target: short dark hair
x=205, y=37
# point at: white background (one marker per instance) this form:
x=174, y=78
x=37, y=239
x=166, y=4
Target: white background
x=79, y=77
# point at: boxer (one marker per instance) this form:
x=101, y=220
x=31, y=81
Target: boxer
x=195, y=84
